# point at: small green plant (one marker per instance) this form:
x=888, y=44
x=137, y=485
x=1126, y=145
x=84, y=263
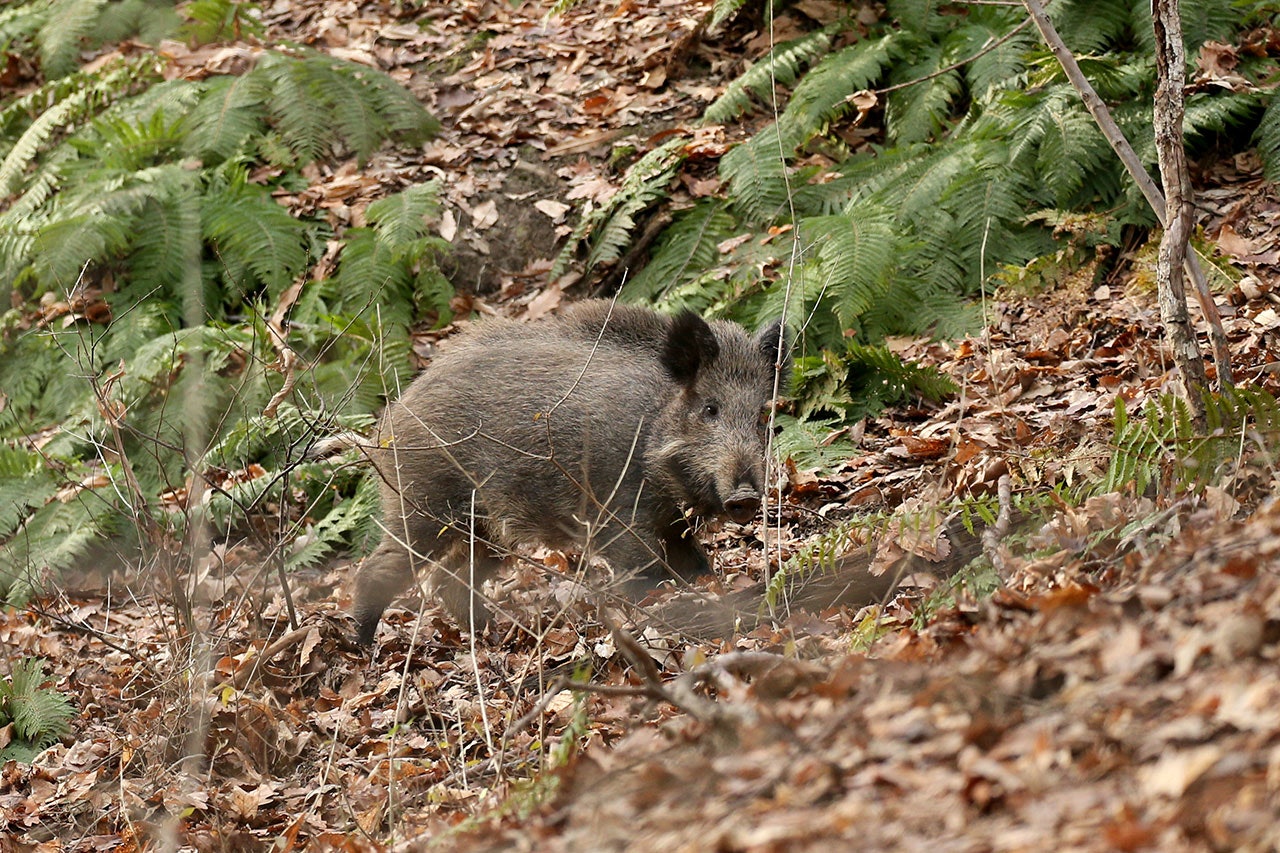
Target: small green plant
x=1163, y=450
x=39, y=716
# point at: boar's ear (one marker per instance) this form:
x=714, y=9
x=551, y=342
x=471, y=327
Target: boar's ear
x=690, y=346
x=772, y=341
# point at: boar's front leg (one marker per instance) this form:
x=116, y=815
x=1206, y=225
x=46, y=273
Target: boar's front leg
x=642, y=558
x=685, y=557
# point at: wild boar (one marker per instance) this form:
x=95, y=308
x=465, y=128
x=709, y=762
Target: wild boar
x=594, y=430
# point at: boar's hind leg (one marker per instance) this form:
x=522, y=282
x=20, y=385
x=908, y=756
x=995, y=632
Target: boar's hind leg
x=457, y=581
x=385, y=574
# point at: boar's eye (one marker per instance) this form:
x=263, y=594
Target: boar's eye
x=711, y=411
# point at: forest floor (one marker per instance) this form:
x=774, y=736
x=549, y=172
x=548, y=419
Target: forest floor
x=1119, y=690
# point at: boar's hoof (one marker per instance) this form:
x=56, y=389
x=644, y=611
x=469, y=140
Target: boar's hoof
x=742, y=506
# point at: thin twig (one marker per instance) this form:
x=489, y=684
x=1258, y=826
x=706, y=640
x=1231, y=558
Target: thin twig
x=992, y=535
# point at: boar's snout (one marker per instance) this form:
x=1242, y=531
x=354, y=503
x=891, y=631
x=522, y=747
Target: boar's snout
x=743, y=505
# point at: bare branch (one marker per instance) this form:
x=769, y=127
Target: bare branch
x=1133, y=165
x=1171, y=65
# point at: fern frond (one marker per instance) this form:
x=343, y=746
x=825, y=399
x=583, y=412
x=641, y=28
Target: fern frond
x=917, y=16
x=1267, y=138
x=609, y=227
x=165, y=252
x=215, y=20
x=148, y=21
x=1089, y=27
x=689, y=246
x=780, y=66
x=997, y=68
x=295, y=104
x=96, y=223
x=401, y=115
x=23, y=484
x=371, y=276
x=916, y=188
x=857, y=253
x=724, y=10
x=823, y=94
x=247, y=227
x=53, y=538
x=359, y=123
x=339, y=526
x=401, y=218
x=1202, y=21
x=230, y=110
x=756, y=172
x=68, y=24
x=916, y=113
x=69, y=100
x=64, y=248
x=808, y=442
x=318, y=102
x=33, y=139
x=1208, y=114
x=20, y=23
x=39, y=716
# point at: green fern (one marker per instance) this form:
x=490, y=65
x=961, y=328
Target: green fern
x=919, y=112
x=139, y=189
x=781, y=66
x=609, y=227
x=756, y=172
x=64, y=28
x=20, y=23
x=40, y=716
x=690, y=245
x=387, y=277
x=1267, y=138
x=724, y=10
x=995, y=65
x=24, y=483
x=969, y=155
x=230, y=112
x=24, y=151
x=148, y=21
x=1164, y=449
x=858, y=256
x=69, y=23
x=214, y=20
x=342, y=525
x=862, y=382
x=823, y=94
x=919, y=17
x=401, y=219
x=54, y=537
x=254, y=236
x=812, y=443
x=317, y=103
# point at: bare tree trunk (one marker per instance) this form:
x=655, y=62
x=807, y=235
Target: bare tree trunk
x=1171, y=63
x=1129, y=158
